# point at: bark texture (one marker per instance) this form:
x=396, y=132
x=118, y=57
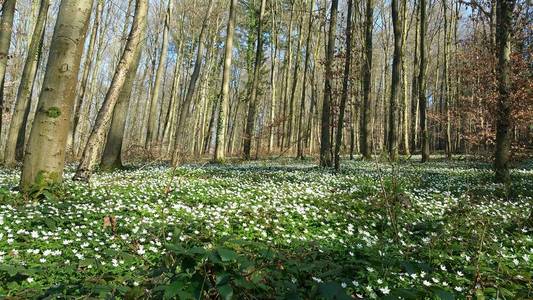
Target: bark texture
x=45, y=155
x=224, y=98
x=504, y=13
x=6, y=30
x=325, y=135
x=366, y=114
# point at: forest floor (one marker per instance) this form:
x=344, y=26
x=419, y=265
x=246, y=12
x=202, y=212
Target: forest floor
x=272, y=229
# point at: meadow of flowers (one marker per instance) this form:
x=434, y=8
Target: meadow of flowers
x=272, y=229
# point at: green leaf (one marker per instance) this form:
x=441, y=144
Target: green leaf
x=50, y=223
x=226, y=292
x=49, y=196
x=443, y=294
x=333, y=290
x=227, y=254
x=134, y=293
x=222, y=279
x=173, y=289
x=11, y=270
x=480, y=295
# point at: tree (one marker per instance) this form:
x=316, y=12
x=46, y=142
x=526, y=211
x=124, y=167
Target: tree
x=252, y=105
x=16, y=136
x=6, y=29
x=45, y=155
x=290, y=118
x=504, y=15
x=422, y=83
x=300, y=141
x=367, y=83
x=84, y=82
x=111, y=158
x=220, y=137
x=182, y=117
x=153, y=114
x=103, y=120
x=345, y=86
x=325, y=143
x=395, y=86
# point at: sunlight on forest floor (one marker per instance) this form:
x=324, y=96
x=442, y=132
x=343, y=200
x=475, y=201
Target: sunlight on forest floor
x=272, y=228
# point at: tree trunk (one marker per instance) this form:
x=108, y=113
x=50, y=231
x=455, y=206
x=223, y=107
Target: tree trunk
x=45, y=155
x=504, y=13
x=446, y=81
x=301, y=145
x=15, y=140
x=294, y=85
x=250, y=119
x=220, y=137
x=405, y=98
x=345, y=86
x=151, y=133
x=395, y=86
x=414, y=86
x=103, y=120
x=422, y=83
x=288, y=63
x=83, y=86
x=6, y=29
x=366, y=114
x=181, y=149
x=111, y=158
x=273, y=74
x=325, y=143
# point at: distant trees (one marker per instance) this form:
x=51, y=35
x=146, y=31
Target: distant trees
x=219, y=79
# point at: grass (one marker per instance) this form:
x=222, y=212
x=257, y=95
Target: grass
x=272, y=229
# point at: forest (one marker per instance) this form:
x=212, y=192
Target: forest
x=266, y=149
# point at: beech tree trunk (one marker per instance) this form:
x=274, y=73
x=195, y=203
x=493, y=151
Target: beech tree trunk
x=252, y=102
x=395, y=86
x=273, y=74
x=103, y=120
x=151, y=133
x=405, y=105
x=422, y=83
x=301, y=138
x=366, y=114
x=325, y=143
x=345, y=87
x=45, y=155
x=111, y=158
x=220, y=137
x=6, y=29
x=414, y=85
x=504, y=13
x=84, y=82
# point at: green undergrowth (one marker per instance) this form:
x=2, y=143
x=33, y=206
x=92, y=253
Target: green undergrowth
x=277, y=229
